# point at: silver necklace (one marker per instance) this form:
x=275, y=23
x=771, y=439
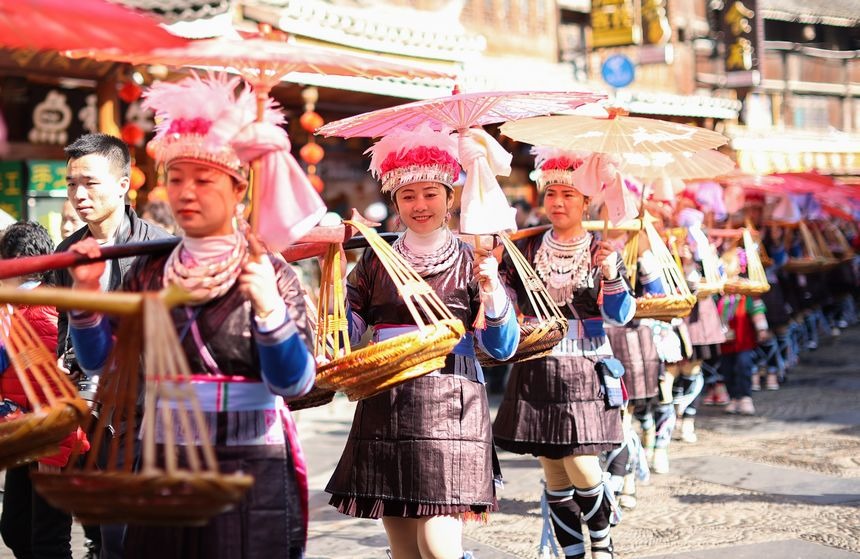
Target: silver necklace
x=564, y=266
x=432, y=263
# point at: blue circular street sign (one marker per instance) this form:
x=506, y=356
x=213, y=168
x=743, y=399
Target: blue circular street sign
x=618, y=70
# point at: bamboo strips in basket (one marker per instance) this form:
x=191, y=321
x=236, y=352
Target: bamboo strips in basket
x=367, y=371
x=755, y=283
x=678, y=301
x=55, y=410
x=550, y=327
x=179, y=482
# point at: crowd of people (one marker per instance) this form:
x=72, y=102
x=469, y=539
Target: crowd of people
x=420, y=456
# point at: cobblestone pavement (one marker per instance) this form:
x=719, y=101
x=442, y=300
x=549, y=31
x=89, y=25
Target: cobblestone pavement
x=785, y=483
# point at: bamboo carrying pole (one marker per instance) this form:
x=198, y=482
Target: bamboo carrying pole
x=29, y=265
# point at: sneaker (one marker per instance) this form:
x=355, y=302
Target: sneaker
x=660, y=462
x=843, y=324
x=688, y=430
x=722, y=395
x=710, y=397
x=745, y=406
x=756, y=382
x=731, y=407
x=772, y=382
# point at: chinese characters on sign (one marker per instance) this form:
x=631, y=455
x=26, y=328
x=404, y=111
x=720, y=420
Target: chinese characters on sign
x=614, y=23
x=741, y=32
x=11, y=195
x=46, y=178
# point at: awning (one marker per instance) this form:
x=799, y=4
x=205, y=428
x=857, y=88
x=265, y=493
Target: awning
x=386, y=29
x=840, y=13
x=786, y=151
x=660, y=103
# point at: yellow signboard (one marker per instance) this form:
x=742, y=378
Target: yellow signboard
x=614, y=23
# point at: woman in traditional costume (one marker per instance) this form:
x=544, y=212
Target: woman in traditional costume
x=242, y=333
x=420, y=456
x=554, y=407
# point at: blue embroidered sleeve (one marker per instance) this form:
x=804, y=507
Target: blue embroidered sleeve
x=92, y=339
x=501, y=336
x=288, y=367
x=619, y=306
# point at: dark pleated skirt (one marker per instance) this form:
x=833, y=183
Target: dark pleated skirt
x=268, y=522
x=777, y=309
x=634, y=347
x=424, y=448
x=553, y=408
x=703, y=325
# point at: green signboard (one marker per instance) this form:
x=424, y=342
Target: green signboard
x=11, y=192
x=46, y=178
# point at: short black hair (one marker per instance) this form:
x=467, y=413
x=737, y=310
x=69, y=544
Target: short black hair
x=109, y=147
x=27, y=238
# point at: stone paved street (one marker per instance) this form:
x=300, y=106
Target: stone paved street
x=784, y=484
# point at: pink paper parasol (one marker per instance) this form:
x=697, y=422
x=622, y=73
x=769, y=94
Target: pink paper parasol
x=78, y=24
x=484, y=208
x=459, y=111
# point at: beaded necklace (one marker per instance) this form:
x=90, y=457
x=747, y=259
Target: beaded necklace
x=433, y=262
x=564, y=266
x=209, y=279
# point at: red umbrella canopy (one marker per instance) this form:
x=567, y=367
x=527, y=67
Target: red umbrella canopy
x=78, y=24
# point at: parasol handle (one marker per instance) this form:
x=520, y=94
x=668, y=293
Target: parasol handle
x=27, y=265
x=262, y=93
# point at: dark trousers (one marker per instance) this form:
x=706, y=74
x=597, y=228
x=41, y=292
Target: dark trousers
x=737, y=370
x=30, y=527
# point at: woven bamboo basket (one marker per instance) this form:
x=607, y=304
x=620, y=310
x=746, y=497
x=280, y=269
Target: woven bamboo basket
x=179, y=482
x=56, y=408
x=380, y=366
x=678, y=301
x=816, y=257
x=755, y=283
x=713, y=281
x=315, y=398
x=708, y=289
x=744, y=286
x=539, y=336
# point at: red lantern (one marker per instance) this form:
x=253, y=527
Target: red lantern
x=317, y=183
x=132, y=134
x=130, y=92
x=312, y=153
x=150, y=150
x=137, y=178
x=310, y=121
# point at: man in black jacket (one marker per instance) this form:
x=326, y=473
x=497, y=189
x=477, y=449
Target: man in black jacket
x=97, y=175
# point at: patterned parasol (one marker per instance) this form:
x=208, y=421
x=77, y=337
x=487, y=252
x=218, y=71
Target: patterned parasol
x=614, y=134
x=484, y=208
x=683, y=165
x=459, y=111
